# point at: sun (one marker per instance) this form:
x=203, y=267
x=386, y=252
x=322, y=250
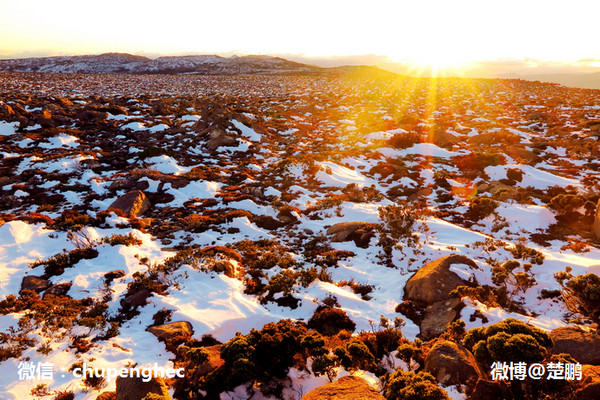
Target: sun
x=434, y=62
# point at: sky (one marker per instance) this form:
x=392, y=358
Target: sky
x=463, y=34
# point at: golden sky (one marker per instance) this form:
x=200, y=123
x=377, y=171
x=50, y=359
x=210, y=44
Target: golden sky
x=442, y=33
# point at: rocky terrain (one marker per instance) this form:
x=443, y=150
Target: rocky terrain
x=282, y=236
x=123, y=63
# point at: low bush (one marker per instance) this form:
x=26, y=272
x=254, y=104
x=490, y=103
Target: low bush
x=329, y=320
x=581, y=293
x=509, y=340
x=413, y=386
x=481, y=207
x=55, y=265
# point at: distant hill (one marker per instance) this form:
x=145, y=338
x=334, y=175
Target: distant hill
x=120, y=63
x=586, y=80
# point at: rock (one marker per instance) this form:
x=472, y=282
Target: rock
x=127, y=183
x=137, y=299
x=92, y=116
x=59, y=289
x=135, y=389
x=64, y=102
x=596, y=226
x=452, y=364
x=6, y=110
x=220, y=138
x=590, y=384
x=35, y=283
x=44, y=118
x=438, y=315
x=434, y=281
x=346, y=388
x=107, y=396
x=254, y=191
x=133, y=203
x=360, y=232
x=583, y=346
x=112, y=275
x=171, y=330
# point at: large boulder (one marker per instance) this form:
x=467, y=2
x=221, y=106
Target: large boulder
x=35, y=283
x=438, y=315
x=133, y=388
x=172, y=330
x=60, y=289
x=359, y=232
x=452, y=364
x=346, y=388
x=582, y=345
x=434, y=281
x=133, y=203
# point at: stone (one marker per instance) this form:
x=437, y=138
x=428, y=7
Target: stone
x=452, y=364
x=438, y=315
x=35, y=283
x=583, y=346
x=434, y=281
x=346, y=388
x=171, y=330
x=137, y=299
x=64, y=102
x=133, y=388
x=218, y=138
x=133, y=203
x=359, y=232
x=59, y=289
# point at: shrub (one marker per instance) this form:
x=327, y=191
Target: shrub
x=56, y=265
x=478, y=161
x=355, y=355
x=481, y=207
x=581, y=293
x=409, y=351
x=509, y=340
x=413, y=386
x=567, y=203
x=520, y=251
x=404, y=140
x=126, y=240
x=263, y=355
x=64, y=395
x=504, y=275
x=330, y=320
x=73, y=220
x=381, y=343
x=398, y=220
